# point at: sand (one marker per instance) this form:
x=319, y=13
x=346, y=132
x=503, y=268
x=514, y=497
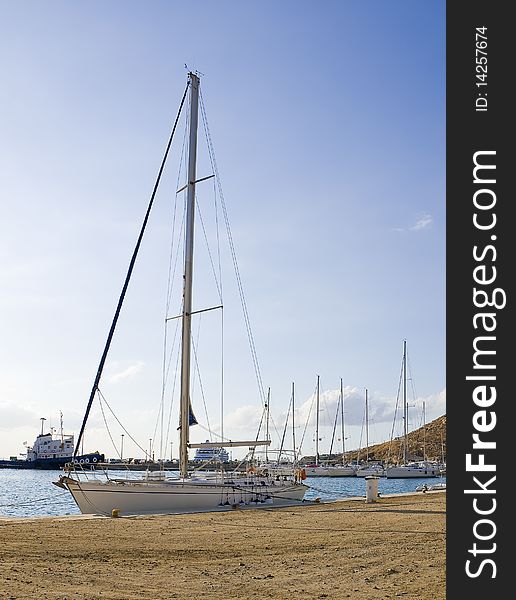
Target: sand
x=394, y=548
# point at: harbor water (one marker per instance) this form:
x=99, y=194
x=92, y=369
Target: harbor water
x=30, y=493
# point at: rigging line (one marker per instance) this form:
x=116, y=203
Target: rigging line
x=308, y=418
x=166, y=366
x=33, y=500
x=217, y=229
x=107, y=426
x=127, y=278
x=247, y=321
x=360, y=440
x=170, y=281
x=219, y=290
x=171, y=274
x=334, y=427
x=119, y=422
x=222, y=372
x=271, y=418
x=173, y=387
x=180, y=237
x=413, y=385
x=167, y=373
x=326, y=416
x=396, y=408
x=162, y=403
x=219, y=264
x=201, y=387
x=264, y=412
x=213, y=433
x=284, y=432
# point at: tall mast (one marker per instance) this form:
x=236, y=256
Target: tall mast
x=424, y=430
x=268, y=407
x=188, y=274
x=405, y=407
x=317, y=427
x=342, y=421
x=293, y=424
x=366, y=427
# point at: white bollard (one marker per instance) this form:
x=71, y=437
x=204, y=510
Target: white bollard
x=371, y=484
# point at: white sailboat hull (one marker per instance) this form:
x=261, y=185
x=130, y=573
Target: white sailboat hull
x=178, y=496
x=371, y=471
x=411, y=471
x=332, y=471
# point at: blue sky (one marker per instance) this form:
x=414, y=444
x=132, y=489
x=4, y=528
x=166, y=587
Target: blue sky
x=328, y=121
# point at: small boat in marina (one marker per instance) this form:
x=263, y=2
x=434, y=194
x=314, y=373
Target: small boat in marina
x=431, y=487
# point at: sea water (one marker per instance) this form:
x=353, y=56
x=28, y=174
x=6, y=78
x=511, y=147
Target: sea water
x=30, y=493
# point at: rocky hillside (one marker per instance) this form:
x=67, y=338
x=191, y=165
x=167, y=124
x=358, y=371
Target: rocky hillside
x=431, y=438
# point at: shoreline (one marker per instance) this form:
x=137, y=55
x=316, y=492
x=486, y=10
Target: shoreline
x=328, y=550
x=304, y=504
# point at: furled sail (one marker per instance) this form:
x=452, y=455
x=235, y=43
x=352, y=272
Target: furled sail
x=192, y=420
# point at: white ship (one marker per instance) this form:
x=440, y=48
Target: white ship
x=211, y=455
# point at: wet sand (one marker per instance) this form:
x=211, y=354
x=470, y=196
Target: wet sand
x=394, y=548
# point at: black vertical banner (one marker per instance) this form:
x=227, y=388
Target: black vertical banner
x=481, y=254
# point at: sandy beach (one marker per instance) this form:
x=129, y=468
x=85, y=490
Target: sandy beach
x=394, y=548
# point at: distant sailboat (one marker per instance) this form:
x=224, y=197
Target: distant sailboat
x=409, y=469
x=156, y=493
x=328, y=470
x=369, y=468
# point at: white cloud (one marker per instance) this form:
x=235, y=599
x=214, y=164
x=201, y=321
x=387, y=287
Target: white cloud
x=126, y=373
x=12, y=416
x=424, y=222
x=436, y=403
x=245, y=418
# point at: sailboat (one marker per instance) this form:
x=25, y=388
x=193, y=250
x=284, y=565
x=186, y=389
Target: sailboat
x=157, y=493
x=281, y=461
x=341, y=470
x=409, y=469
x=369, y=469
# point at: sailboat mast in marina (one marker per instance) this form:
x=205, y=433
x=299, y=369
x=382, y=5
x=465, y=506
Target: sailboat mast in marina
x=329, y=470
x=157, y=493
x=369, y=468
x=317, y=425
x=409, y=469
x=367, y=426
x=405, y=405
x=342, y=431
x=186, y=343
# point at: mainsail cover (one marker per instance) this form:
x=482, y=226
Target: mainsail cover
x=192, y=420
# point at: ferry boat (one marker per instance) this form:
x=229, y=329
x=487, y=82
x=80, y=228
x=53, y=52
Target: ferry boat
x=211, y=455
x=51, y=451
